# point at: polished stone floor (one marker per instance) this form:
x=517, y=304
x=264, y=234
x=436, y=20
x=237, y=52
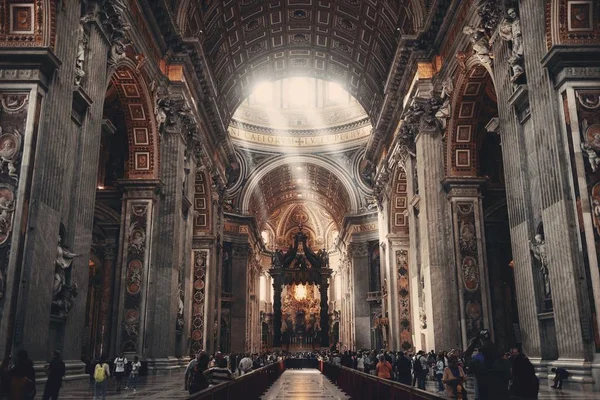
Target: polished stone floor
x=293, y=384
x=304, y=384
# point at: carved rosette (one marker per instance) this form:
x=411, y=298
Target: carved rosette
x=136, y=242
x=198, y=301
x=13, y=118
x=469, y=266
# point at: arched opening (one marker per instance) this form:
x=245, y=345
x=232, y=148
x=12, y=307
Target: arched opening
x=128, y=151
x=475, y=152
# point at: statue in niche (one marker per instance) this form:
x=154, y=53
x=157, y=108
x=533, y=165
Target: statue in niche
x=538, y=248
x=480, y=43
x=180, y=321
x=80, y=60
x=592, y=156
x=510, y=31
x=63, y=293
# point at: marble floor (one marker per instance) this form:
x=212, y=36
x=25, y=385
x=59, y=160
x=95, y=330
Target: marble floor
x=293, y=384
x=304, y=384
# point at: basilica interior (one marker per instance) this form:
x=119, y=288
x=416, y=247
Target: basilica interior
x=237, y=176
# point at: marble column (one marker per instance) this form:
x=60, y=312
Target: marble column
x=469, y=252
x=163, y=295
x=239, y=295
x=323, y=289
x=137, y=216
x=438, y=268
x=362, y=314
x=200, y=286
x=106, y=305
x=277, y=287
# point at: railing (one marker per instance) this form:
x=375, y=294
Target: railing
x=374, y=296
x=359, y=385
x=249, y=386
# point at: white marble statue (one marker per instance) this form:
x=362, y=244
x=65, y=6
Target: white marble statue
x=80, y=60
x=591, y=155
x=538, y=248
x=445, y=110
x=510, y=31
x=480, y=43
x=64, y=259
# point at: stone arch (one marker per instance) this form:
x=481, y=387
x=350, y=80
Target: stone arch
x=471, y=88
x=252, y=182
x=142, y=133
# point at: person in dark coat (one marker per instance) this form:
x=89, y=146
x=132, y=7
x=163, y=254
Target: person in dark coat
x=525, y=384
x=22, y=378
x=56, y=371
x=198, y=381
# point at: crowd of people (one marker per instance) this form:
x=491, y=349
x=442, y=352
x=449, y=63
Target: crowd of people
x=494, y=375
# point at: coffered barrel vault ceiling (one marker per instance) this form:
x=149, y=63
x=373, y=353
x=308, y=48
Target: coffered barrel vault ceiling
x=349, y=41
x=292, y=183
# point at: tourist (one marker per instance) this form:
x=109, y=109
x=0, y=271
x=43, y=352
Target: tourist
x=22, y=382
x=491, y=371
x=454, y=378
x=220, y=373
x=189, y=370
x=404, y=366
x=56, y=371
x=560, y=374
x=198, y=380
x=384, y=368
x=440, y=366
x=134, y=374
x=525, y=384
x=120, y=362
x=245, y=364
x=420, y=369
x=101, y=375
x=360, y=362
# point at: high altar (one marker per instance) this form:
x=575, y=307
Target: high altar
x=303, y=315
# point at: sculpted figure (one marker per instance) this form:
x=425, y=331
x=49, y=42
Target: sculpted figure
x=445, y=110
x=80, y=60
x=63, y=293
x=7, y=208
x=591, y=155
x=480, y=43
x=510, y=31
x=538, y=248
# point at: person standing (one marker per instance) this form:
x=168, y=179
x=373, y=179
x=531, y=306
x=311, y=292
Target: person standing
x=101, y=375
x=189, y=370
x=56, y=371
x=245, y=364
x=420, y=369
x=120, y=362
x=440, y=366
x=198, y=381
x=384, y=368
x=22, y=382
x=134, y=374
x=454, y=378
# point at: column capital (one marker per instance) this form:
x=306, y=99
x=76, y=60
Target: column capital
x=464, y=186
x=358, y=250
x=140, y=188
